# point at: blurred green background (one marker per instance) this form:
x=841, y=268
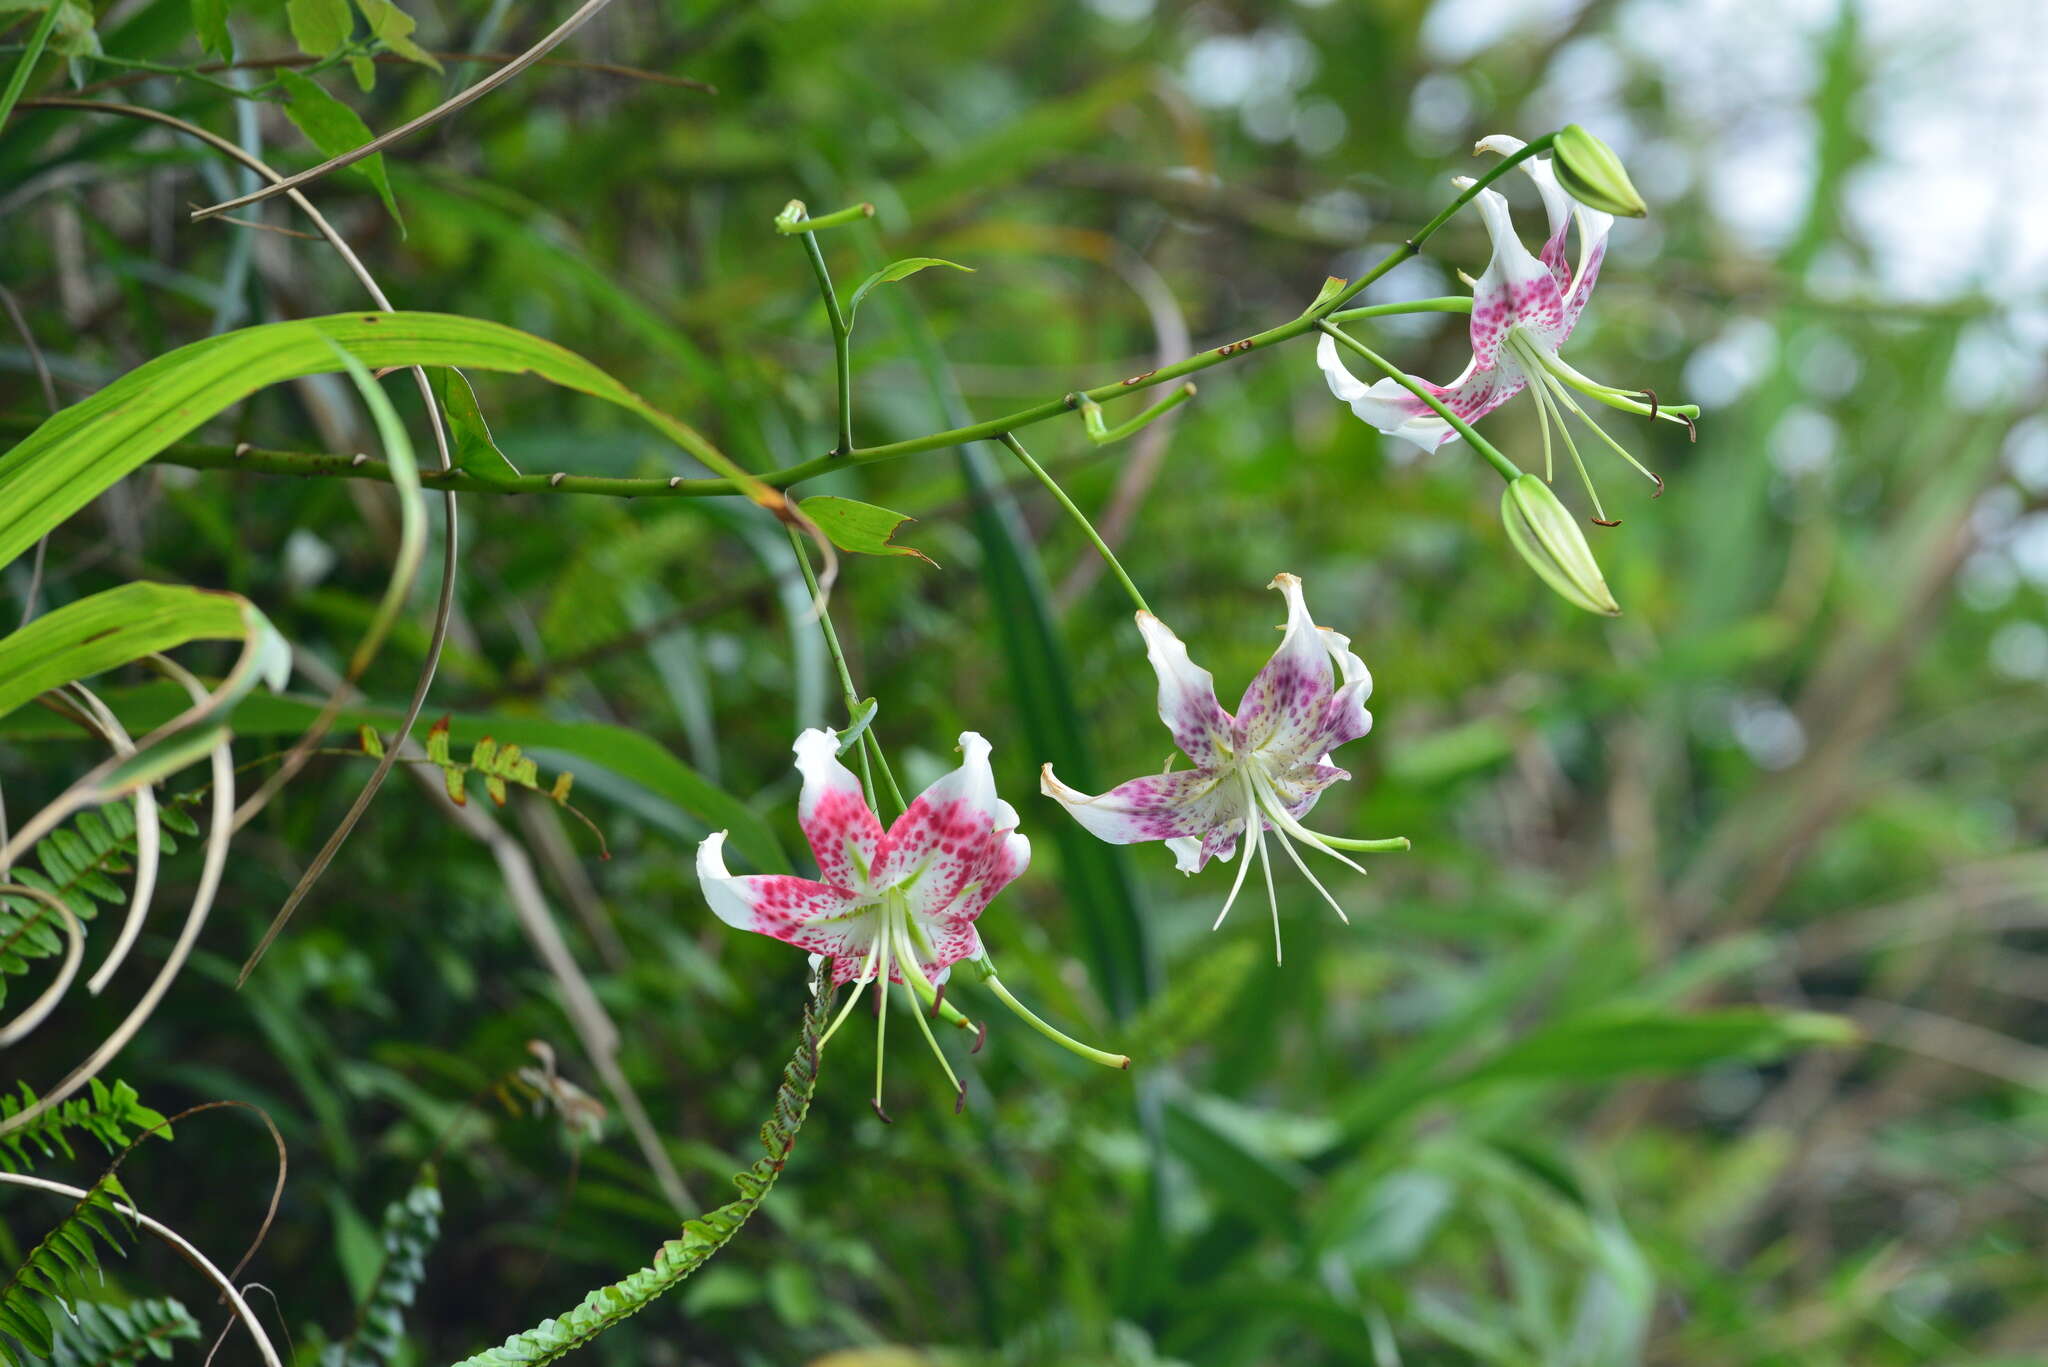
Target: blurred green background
x=1484, y=1123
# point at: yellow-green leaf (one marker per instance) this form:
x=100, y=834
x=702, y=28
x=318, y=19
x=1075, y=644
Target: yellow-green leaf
x=861, y=528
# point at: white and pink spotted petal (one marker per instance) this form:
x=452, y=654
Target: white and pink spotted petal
x=1283, y=709
x=1191, y=854
x=1186, y=802
x=1299, y=787
x=1557, y=205
x=843, y=831
x=810, y=915
x=1395, y=410
x=1187, y=695
x=945, y=833
x=1517, y=289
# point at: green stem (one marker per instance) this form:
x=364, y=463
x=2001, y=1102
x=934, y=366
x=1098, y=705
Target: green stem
x=1507, y=469
x=1449, y=303
x=869, y=746
x=842, y=352
x=1103, y=435
x=1052, y=487
x=37, y=41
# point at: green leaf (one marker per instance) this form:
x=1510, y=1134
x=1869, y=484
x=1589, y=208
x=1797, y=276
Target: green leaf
x=319, y=27
x=96, y=634
x=861, y=528
x=74, y=35
x=393, y=27
x=68, y=460
x=475, y=452
x=894, y=271
x=1621, y=1041
x=642, y=769
x=334, y=128
x=210, y=20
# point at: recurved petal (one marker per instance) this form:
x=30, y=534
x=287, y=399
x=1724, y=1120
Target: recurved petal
x=1187, y=695
x=944, y=835
x=1191, y=854
x=1186, y=802
x=1394, y=409
x=1346, y=717
x=815, y=916
x=1516, y=288
x=1557, y=205
x=1283, y=709
x=843, y=832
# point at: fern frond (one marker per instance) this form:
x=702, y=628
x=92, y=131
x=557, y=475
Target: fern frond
x=65, y=1257
x=115, y=1335
x=701, y=1237
x=412, y=1225
x=501, y=767
x=114, y=1115
x=79, y=864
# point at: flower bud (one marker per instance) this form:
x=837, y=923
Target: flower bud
x=1590, y=173
x=1549, y=539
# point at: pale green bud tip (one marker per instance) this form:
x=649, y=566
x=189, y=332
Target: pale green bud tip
x=1590, y=173
x=1548, y=537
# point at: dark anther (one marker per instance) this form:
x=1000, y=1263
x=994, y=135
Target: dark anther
x=938, y=999
x=1597, y=522
x=980, y=1036
x=1140, y=379
x=1653, y=403
x=876, y=1102
x=1691, y=433
x=1660, y=484
x=960, y=1101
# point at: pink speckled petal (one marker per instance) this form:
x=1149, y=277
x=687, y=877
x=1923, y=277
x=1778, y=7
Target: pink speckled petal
x=1516, y=288
x=1191, y=854
x=834, y=814
x=1187, y=802
x=1390, y=407
x=1557, y=205
x=815, y=916
x=1346, y=717
x=1187, y=695
x=936, y=847
x=1283, y=710
x=1299, y=787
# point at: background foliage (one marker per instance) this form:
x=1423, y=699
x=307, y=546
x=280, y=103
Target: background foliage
x=1523, y=1109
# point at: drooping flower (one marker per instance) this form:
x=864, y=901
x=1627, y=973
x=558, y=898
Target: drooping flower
x=1524, y=309
x=1257, y=772
x=894, y=906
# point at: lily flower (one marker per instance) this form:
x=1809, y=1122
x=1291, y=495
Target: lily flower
x=895, y=906
x=1523, y=311
x=1258, y=772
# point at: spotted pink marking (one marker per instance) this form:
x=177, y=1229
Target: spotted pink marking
x=843, y=834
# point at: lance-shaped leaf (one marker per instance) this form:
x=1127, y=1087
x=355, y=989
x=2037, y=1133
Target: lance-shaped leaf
x=73, y=456
x=891, y=273
x=1621, y=1041
x=476, y=450
x=334, y=128
x=861, y=528
x=114, y=628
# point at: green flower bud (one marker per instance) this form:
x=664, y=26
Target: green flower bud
x=1590, y=173
x=1548, y=538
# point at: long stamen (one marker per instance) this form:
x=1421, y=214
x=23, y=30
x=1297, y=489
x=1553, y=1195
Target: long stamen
x=1578, y=461
x=1287, y=822
x=1272, y=898
x=859, y=986
x=1618, y=448
x=1250, y=845
x=911, y=968
x=882, y=1022
x=1300, y=863
x=1627, y=400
